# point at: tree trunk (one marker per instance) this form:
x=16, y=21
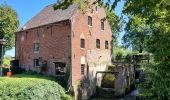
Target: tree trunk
x=140, y=49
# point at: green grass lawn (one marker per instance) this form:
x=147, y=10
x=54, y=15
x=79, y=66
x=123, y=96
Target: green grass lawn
x=34, y=87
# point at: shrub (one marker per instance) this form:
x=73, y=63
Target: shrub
x=31, y=89
x=108, y=81
x=119, y=56
x=111, y=67
x=43, y=91
x=128, y=58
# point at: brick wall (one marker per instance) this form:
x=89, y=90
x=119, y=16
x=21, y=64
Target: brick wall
x=61, y=42
x=96, y=59
x=54, y=42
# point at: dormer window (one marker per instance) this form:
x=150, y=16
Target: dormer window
x=89, y=20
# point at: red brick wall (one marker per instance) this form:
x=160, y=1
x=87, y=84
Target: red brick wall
x=80, y=29
x=54, y=45
x=60, y=42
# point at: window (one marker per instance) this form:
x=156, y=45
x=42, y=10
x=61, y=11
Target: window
x=26, y=34
x=60, y=68
x=82, y=43
x=96, y=8
x=36, y=62
x=98, y=43
x=106, y=45
x=89, y=20
x=82, y=69
x=102, y=25
x=36, y=46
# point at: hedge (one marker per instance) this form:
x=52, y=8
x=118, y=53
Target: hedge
x=31, y=89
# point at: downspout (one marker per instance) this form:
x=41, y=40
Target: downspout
x=71, y=35
x=15, y=44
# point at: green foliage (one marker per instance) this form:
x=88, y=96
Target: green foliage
x=108, y=81
x=26, y=87
x=116, y=25
x=155, y=15
x=111, y=67
x=136, y=34
x=128, y=58
x=64, y=4
x=119, y=56
x=8, y=25
x=157, y=84
x=108, y=78
x=119, y=53
x=6, y=60
x=124, y=51
x=86, y=4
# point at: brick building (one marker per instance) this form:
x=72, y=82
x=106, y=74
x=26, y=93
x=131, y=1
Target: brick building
x=66, y=41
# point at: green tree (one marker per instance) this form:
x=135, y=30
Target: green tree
x=8, y=25
x=116, y=25
x=136, y=34
x=156, y=15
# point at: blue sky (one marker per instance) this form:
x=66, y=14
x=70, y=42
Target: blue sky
x=26, y=9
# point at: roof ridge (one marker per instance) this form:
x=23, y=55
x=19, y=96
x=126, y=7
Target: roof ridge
x=48, y=15
x=51, y=4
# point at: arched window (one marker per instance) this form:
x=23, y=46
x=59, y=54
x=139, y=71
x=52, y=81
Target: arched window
x=106, y=45
x=102, y=25
x=89, y=20
x=96, y=8
x=36, y=46
x=98, y=43
x=82, y=43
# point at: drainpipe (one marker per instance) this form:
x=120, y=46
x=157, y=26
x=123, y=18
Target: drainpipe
x=71, y=35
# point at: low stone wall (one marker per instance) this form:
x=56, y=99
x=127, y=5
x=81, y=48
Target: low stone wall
x=124, y=79
x=87, y=87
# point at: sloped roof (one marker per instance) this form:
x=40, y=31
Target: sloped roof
x=49, y=15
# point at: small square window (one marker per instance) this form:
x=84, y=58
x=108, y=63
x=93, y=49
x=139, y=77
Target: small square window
x=82, y=69
x=89, y=20
x=82, y=43
x=36, y=46
x=106, y=45
x=98, y=43
x=36, y=62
